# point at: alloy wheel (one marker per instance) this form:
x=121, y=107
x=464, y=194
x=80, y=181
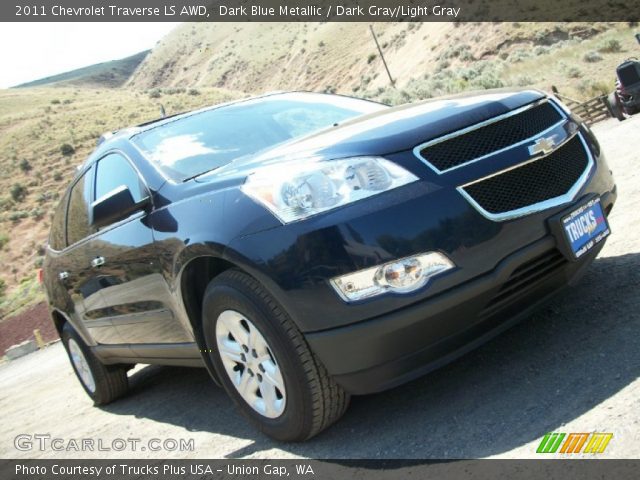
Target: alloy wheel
x=81, y=365
x=250, y=364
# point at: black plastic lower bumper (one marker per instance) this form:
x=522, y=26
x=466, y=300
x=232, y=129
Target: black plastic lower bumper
x=386, y=351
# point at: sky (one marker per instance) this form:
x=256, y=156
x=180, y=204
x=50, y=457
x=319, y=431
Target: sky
x=34, y=50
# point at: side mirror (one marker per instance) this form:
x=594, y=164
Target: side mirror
x=115, y=205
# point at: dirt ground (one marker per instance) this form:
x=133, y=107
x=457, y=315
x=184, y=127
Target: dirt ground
x=20, y=327
x=572, y=367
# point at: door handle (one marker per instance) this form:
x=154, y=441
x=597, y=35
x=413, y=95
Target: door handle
x=62, y=276
x=97, y=262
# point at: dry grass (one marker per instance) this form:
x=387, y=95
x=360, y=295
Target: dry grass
x=34, y=124
x=338, y=57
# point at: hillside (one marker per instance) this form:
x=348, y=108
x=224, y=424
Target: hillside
x=426, y=59
x=36, y=166
x=46, y=132
x=111, y=74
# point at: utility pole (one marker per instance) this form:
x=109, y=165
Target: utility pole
x=375, y=39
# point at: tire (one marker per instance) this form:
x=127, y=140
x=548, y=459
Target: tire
x=310, y=400
x=614, y=107
x=103, y=383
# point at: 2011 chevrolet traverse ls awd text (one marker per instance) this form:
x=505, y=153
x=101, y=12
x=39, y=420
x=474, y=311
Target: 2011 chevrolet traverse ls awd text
x=306, y=247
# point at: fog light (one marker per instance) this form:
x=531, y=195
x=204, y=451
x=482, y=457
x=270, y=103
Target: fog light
x=403, y=274
x=400, y=276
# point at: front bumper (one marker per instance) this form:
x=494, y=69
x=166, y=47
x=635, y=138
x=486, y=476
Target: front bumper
x=389, y=350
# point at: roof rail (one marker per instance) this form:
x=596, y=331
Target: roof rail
x=105, y=136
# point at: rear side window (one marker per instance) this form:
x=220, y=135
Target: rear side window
x=115, y=171
x=78, y=212
x=56, y=236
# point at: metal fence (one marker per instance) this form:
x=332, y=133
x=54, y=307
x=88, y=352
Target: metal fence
x=593, y=110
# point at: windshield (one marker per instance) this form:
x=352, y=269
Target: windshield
x=200, y=142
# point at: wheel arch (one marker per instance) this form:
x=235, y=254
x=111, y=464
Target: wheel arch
x=194, y=279
x=58, y=320
x=199, y=271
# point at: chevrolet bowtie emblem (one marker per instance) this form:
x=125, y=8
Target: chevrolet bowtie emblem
x=542, y=145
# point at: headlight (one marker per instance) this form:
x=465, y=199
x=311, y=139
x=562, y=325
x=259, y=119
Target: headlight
x=400, y=276
x=296, y=190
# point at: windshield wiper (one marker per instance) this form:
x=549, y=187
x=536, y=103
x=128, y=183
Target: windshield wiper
x=199, y=174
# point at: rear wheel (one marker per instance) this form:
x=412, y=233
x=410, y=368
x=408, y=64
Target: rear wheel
x=264, y=363
x=614, y=106
x=103, y=383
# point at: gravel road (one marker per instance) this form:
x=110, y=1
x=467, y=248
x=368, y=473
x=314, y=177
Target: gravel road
x=573, y=367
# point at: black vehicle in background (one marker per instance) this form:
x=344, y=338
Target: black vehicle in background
x=624, y=101
x=306, y=247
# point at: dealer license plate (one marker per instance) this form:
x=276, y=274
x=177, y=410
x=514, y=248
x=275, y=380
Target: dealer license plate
x=585, y=227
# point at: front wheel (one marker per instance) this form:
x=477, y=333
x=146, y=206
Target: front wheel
x=264, y=363
x=103, y=383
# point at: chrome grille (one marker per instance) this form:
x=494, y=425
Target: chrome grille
x=533, y=182
x=505, y=131
x=555, y=161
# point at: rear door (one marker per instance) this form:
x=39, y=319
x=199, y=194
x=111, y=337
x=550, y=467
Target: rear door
x=126, y=270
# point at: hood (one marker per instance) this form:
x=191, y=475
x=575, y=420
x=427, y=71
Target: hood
x=390, y=130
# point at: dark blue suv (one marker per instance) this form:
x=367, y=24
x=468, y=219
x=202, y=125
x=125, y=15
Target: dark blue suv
x=306, y=247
